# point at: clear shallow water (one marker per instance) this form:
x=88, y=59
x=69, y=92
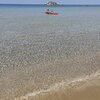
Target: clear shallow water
x=38, y=50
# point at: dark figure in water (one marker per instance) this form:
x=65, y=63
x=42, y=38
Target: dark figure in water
x=47, y=9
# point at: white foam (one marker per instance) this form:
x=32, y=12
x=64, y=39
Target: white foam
x=61, y=85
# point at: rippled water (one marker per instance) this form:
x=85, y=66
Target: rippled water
x=38, y=50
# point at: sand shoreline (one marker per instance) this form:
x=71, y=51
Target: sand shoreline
x=82, y=88
x=86, y=89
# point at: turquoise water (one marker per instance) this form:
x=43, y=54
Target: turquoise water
x=39, y=50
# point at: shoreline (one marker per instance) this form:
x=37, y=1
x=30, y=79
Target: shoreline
x=80, y=89
x=57, y=91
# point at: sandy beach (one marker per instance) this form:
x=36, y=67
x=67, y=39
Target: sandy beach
x=88, y=89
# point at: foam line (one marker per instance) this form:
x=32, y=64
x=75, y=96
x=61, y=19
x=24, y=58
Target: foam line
x=61, y=85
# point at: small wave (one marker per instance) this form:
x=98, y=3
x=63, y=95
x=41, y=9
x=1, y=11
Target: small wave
x=61, y=86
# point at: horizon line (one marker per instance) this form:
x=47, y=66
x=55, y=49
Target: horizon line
x=50, y=5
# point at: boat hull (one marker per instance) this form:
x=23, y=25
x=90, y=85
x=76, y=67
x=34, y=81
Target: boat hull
x=51, y=13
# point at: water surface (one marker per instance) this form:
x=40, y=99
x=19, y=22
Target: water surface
x=38, y=51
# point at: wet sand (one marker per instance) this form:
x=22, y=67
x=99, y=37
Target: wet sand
x=22, y=85
x=85, y=90
x=89, y=93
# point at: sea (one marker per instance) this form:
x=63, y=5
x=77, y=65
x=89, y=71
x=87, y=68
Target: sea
x=49, y=57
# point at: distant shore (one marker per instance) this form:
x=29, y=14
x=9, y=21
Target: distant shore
x=48, y=5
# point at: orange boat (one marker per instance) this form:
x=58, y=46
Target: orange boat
x=52, y=13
